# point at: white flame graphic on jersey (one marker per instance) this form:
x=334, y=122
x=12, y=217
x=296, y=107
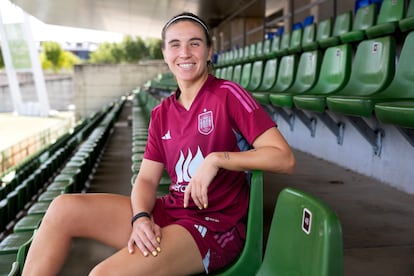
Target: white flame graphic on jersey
x=187, y=166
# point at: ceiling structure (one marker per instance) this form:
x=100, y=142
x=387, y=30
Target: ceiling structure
x=144, y=18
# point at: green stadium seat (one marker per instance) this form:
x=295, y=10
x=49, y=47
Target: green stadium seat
x=6, y=263
x=286, y=74
x=3, y=214
x=259, y=50
x=324, y=31
x=266, y=48
x=251, y=255
x=396, y=113
x=12, y=242
x=229, y=73
x=28, y=223
x=21, y=255
x=407, y=23
x=372, y=72
x=38, y=208
x=341, y=26
x=305, y=238
x=246, y=74
x=237, y=73
x=305, y=79
x=252, y=52
x=295, y=45
x=268, y=80
x=246, y=54
x=284, y=44
x=333, y=76
x=274, y=48
x=48, y=196
x=365, y=18
x=255, y=76
x=309, y=38
x=12, y=205
x=391, y=12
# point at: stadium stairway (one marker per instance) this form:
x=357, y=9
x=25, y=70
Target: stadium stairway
x=376, y=219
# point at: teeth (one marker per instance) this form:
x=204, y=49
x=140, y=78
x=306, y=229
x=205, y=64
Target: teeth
x=186, y=66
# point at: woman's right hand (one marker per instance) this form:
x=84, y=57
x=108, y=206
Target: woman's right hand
x=146, y=235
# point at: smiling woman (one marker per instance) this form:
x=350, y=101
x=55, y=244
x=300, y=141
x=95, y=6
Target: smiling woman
x=203, y=217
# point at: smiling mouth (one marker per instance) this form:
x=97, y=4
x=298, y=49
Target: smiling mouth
x=186, y=65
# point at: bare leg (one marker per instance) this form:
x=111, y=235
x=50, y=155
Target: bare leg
x=179, y=256
x=102, y=217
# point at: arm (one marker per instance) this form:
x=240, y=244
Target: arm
x=270, y=153
x=145, y=234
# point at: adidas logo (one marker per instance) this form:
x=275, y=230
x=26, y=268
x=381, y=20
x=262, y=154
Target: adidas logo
x=201, y=229
x=167, y=136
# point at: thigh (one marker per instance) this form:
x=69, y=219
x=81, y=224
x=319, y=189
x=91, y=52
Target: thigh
x=103, y=217
x=179, y=256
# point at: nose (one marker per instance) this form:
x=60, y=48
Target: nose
x=185, y=51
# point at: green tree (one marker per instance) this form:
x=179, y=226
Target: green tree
x=154, y=48
x=1, y=59
x=53, y=53
x=106, y=53
x=134, y=49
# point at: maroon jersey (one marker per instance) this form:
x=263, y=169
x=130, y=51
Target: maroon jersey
x=181, y=139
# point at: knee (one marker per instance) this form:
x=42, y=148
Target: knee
x=61, y=209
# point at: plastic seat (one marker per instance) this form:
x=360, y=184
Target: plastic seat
x=305, y=238
x=255, y=76
x=237, y=73
x=266, y=48
x=6, y=263
x=13, y=241
x=284, y=44
x=391, y=12
x=341, y=26
x=246, y=74
x=295, y=45
x=28, y=223
x=306, y=77
x=407, y=23
x=333, y=76
x=308, y=38
x=251, y=256
x=365, y=17
x=396, y=113
x=373, y=70
x=268, y=80
x=286, y=74
x=274, y=48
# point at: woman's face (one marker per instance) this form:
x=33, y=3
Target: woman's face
x=186, y=51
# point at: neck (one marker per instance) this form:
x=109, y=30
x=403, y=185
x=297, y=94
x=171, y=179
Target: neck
x=189, y=91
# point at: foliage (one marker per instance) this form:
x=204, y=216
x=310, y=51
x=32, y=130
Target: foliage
x=129, y=50
x=55, y=58
x=1, y=59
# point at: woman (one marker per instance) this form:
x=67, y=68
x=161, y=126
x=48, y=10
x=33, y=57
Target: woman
x=200, y=225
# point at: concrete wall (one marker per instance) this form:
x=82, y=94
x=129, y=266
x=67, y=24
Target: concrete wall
x=95, y=86
x=89, y=89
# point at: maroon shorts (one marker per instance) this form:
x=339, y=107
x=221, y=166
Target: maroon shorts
x=217, y=249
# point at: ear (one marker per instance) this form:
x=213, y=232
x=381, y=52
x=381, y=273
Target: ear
x=210, y=54
x=163, y=55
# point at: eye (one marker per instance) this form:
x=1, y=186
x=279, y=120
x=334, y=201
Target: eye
x=175, y=45
x=195, y=43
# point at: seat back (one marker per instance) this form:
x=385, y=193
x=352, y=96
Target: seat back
x=259, y=50
x=410, y=9
x=245, y=74
x=324, y=29
x=284, y=43
x=365, y=17
x=237, y=70
x=307, y=72
x=342, y=24
x=269, y=75
x=391, y=11
x=275, y=46
x=295, y=44
x=335, y=70
x=373, y=67
x=251, y=256
x=305, y=238
x=308, y=38
x=267, y=47
x=246, y=53
x=255, y=76
x=286, y=73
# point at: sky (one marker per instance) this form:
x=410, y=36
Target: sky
x=44, y=32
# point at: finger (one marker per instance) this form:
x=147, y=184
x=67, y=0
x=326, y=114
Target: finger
x=205, y=198
x=157, y=231
x=187, y=193
x=131, y=246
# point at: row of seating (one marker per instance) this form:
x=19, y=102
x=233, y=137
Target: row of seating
x=305, y=235
x=393, y=17
x=72, y=176
x=358, y=86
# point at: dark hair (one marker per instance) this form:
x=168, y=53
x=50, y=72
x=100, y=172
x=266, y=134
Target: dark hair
x=187, y=16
